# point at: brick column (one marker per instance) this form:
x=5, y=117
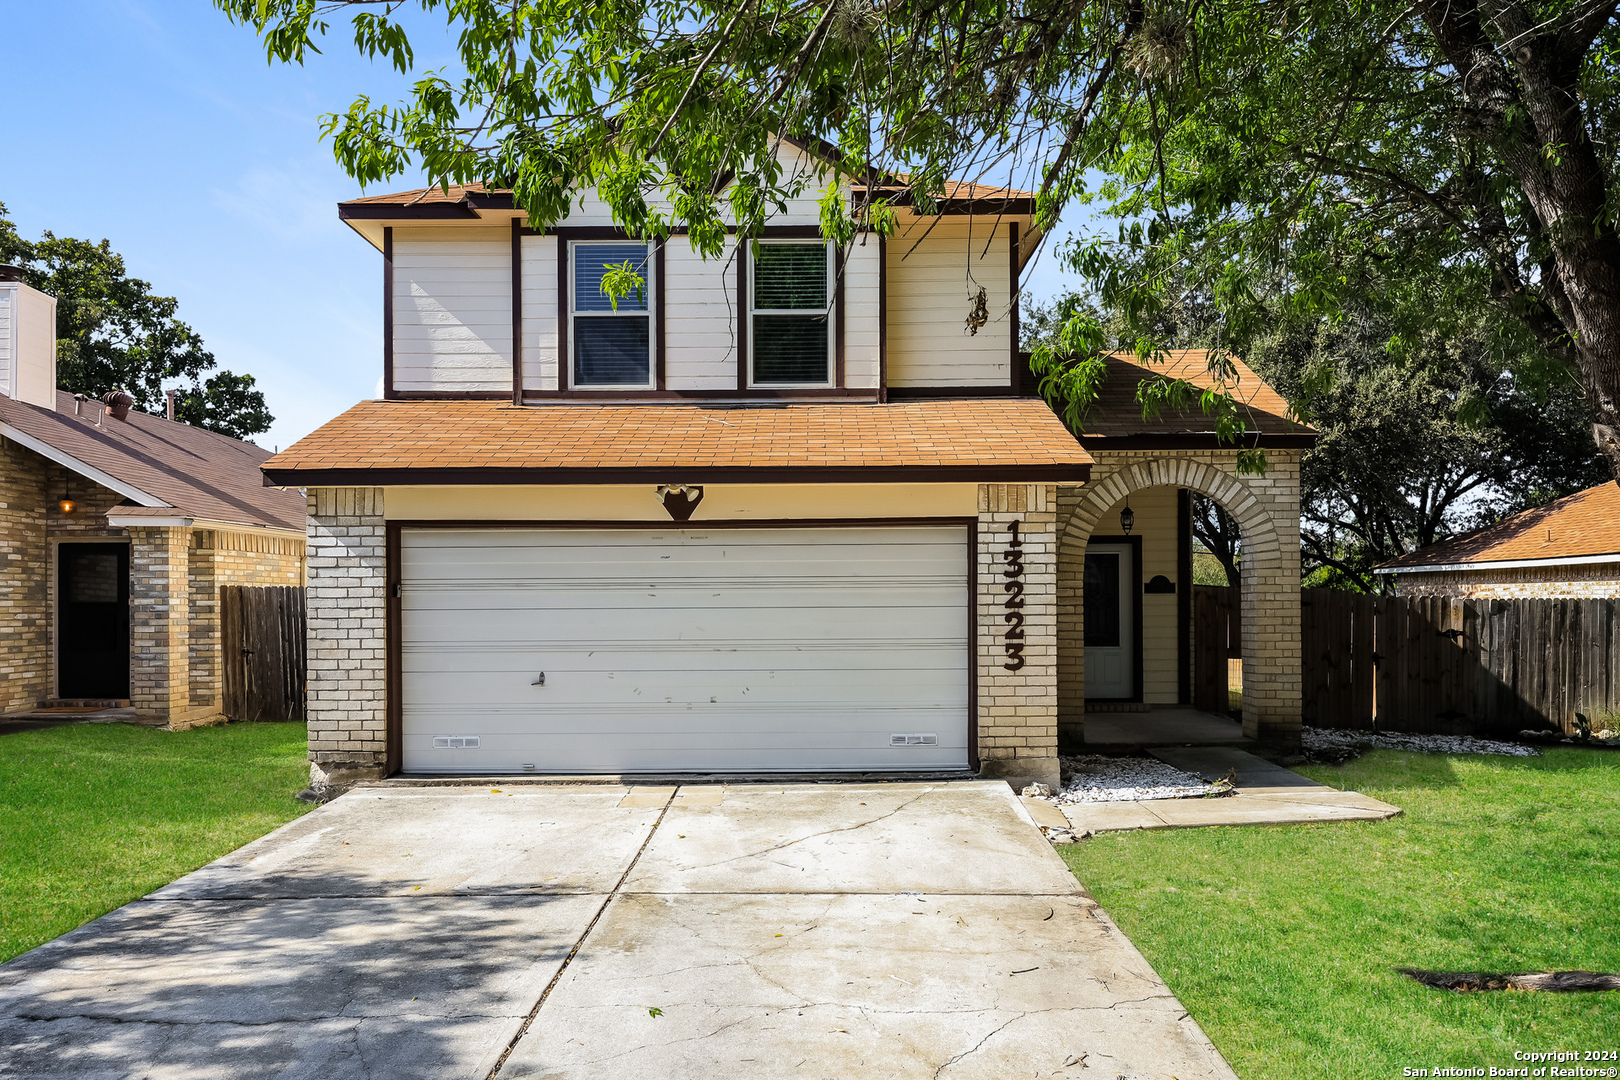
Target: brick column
x=1017, y=695
x=203, y=639
x=347, y=702
x=25, y=571
x=159, y=601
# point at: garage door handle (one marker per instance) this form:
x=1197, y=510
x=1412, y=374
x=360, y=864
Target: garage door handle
x=541, y=681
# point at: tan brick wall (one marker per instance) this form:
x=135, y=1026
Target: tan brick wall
x=348, y=726
x=25, y=604
x=1596, y=581
x=1267, y=510
x=159, y=600
x=1017, y=710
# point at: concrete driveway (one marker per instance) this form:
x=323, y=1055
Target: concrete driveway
x=763, y=931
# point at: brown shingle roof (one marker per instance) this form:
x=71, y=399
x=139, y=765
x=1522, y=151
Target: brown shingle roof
x=196, y=473
x=492, y=442
x=1586, y=523
x=1116, y=416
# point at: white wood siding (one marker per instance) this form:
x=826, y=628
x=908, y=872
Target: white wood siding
x=862, y=331
x=8, y=333
x=700, y=318
x=453, y=309
x=936, y=268
x=27, y=344
x=781, y=649
x=539, y=312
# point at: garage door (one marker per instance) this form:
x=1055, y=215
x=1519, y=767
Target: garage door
x=624, y=650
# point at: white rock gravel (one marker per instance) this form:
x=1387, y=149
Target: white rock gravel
x=1093, y=778
x=1331, y=739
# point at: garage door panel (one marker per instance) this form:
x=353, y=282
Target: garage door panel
x=674, y=650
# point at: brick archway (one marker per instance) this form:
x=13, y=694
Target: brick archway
x=1266, y=509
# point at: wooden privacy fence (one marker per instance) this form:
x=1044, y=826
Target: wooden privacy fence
x=1217, y=638
x=1446, y=665
x=262, y=642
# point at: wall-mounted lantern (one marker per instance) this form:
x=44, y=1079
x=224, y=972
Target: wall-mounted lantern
x=1127, y=518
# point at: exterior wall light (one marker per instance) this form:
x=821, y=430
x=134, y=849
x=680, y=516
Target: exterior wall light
x=65, y=504
x=1127, y=518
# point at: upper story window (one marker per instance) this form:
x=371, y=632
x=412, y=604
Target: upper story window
x=790, y=313
x=612, y=344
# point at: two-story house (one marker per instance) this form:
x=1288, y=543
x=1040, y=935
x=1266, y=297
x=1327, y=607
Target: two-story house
x=796, y=509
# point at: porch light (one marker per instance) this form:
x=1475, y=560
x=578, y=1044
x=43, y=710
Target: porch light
x=65, y=504
x=1126, y=517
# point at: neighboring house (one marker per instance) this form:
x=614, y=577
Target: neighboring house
x=1568, y=548
x=117, y=530
x=786, y=512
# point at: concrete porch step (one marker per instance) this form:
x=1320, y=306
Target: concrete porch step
x=82, y=704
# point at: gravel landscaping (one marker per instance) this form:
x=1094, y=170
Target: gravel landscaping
x=1092, y=778
x=1337, y=745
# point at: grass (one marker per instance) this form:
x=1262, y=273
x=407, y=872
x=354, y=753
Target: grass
x=94, y=815
x=1282, y=941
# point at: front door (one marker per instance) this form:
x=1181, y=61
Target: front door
x=1110, y=631
x=92, y=620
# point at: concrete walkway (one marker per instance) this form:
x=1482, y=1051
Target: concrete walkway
x=1267, y=794
x=760, y=931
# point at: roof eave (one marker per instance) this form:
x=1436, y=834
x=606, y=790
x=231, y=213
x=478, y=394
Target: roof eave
x=306, y=477
x=1500, y=564
x=84, y=469
x=1198, y=440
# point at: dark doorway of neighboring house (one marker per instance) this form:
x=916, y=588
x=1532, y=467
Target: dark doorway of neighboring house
x=92, y=616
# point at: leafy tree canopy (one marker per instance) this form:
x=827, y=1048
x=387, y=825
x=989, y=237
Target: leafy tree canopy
x=112, y=333
x=1346, y=150
x=1439, y=436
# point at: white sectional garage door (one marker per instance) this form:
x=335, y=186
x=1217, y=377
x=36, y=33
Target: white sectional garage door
x=779, y=649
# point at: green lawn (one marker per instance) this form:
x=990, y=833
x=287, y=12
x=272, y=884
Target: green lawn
x=1281, y=940
x=94, y=815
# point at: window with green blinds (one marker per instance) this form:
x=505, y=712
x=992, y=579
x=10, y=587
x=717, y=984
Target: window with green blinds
x=790, y=313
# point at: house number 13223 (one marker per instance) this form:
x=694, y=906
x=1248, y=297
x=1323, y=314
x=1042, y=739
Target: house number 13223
x=1013, y=586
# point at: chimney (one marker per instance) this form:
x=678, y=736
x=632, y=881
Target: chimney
x=170, y=395
x=27, y=340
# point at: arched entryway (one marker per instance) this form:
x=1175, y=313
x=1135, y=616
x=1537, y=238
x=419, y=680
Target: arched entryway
x=1266, y=508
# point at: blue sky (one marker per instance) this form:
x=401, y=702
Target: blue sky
x=160, y=127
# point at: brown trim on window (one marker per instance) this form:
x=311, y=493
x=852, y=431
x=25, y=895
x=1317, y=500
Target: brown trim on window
x=564, y=357
x=613, y=232
x=685, y=474
x=973, y=644
x=923, y=393
x=1135, y=544
x=393, y=704
x=745, y=325
x=608, y=395
x=656, y=298
x=1198, y=441
x=1184, y=594
x=838, y=315
x=517, y=311
x=883, y=317
x=451, y=395
x=388, y=313
x=1014, y=378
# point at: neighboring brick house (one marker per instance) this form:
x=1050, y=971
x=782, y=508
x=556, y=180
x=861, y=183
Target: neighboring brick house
x=117, y=530
x=782, y=513
x=1569, y=548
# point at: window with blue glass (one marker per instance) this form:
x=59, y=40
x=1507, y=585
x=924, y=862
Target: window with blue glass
x=612, y=340
x=790, y=312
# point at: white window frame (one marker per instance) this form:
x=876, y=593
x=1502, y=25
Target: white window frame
x=832, y=318
x=650, y=313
